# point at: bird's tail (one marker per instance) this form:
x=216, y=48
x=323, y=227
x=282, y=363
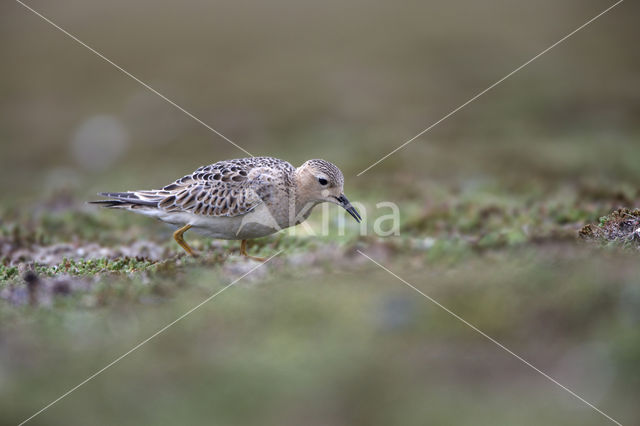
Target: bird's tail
x=127, y=200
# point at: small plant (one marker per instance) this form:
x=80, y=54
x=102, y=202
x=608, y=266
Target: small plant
x=621, y=227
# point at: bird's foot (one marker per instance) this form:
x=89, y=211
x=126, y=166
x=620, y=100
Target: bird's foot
x=178, y=236
x=243, y=251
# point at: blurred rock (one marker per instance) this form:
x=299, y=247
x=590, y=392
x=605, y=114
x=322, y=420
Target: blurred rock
x=235, y=270
x=40, y=291
x=56, y=253
x=99, y=142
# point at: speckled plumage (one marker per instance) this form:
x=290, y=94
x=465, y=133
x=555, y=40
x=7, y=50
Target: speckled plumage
x=239, y=199
x=226, y=188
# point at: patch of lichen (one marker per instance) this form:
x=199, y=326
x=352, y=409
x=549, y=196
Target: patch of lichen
x=620, y=227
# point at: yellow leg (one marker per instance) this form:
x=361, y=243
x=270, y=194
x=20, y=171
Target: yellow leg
x=243, y=251
x=180, y=240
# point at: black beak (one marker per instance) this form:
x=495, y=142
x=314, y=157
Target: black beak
x=348, y=207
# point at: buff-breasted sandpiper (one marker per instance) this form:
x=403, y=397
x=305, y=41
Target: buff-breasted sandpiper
x=239, y=199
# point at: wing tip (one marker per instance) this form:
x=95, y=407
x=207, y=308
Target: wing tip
x=107, y=203
x=123, y=199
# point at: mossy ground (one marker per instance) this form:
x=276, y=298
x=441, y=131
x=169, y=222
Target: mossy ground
x=320, y=319
x=621, y=228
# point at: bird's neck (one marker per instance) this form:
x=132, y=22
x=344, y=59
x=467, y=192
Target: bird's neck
x=301, y=202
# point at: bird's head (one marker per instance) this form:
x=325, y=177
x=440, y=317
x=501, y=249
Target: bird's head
x=321, y=181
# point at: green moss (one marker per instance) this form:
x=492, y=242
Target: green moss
x=8, y=273
x=448, y=251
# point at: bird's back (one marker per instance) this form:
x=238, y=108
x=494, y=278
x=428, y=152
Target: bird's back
x=226, y=188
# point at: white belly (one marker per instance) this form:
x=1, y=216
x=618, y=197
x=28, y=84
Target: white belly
x=255, y=224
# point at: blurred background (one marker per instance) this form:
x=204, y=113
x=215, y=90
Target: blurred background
x=491, y=203
x=302, y=80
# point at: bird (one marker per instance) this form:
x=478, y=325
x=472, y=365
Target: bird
x=239, y=199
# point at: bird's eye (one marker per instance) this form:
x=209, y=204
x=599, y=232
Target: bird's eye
x=322, y=181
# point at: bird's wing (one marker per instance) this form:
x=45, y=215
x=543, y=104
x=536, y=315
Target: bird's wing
x=221, y=189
